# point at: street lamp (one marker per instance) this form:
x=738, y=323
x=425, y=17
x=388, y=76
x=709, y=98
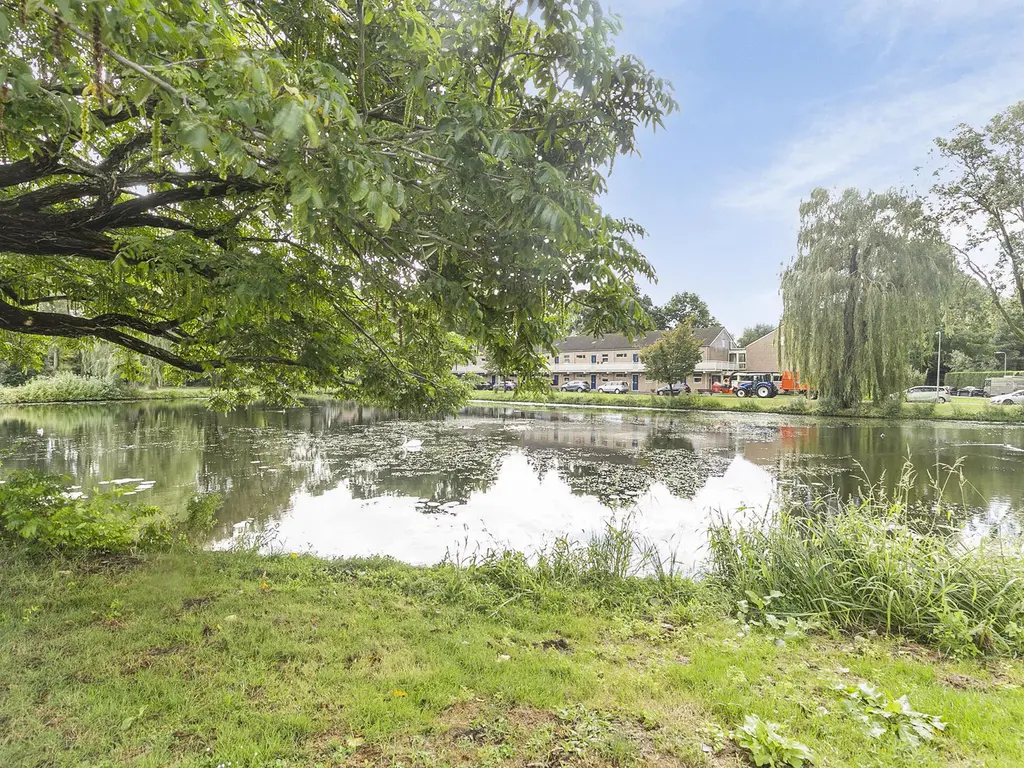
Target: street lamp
x=1004, y=361
x=938, y=365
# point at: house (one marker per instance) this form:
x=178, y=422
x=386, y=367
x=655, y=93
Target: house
x=613, y=357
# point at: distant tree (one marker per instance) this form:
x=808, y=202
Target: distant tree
x=654, y=312
x=682, y=307
x=862, y=292
x=968, y=321
x=687, y=307
x=1006, y=340
x=284, y=196
x=755, y=332
x=981, y=194
x=672, y=357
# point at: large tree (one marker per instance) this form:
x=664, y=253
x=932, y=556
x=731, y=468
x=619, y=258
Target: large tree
x=981, y=202
x=685, y=307
x=672, y=357
x=284, y=195
x=862, y=292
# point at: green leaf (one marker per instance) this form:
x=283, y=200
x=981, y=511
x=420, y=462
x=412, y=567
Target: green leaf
x=288, y=120
x=196, y=136
x=361, y=191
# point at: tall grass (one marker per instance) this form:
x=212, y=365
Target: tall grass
x=64, y=387
x=870, y=566
x=616, y=568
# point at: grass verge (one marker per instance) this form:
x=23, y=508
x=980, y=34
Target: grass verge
x=961, y=409
x=215, y=659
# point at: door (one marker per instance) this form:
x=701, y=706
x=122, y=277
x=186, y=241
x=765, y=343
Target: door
x=554, y=381
x=593, y=381
x=636, y=382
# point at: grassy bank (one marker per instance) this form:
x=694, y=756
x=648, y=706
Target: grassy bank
x=216, y=659
x=961, y=409
x=71, y=388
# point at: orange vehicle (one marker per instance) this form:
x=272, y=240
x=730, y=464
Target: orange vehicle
x=791, y=383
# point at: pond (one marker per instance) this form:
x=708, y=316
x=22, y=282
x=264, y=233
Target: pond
x=336, y=479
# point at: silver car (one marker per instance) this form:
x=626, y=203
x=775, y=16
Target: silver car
x=927, y=395
x=1014, y=398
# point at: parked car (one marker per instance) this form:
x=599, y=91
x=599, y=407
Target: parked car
x=760, y=389
x=927, y=395
x=614, y=388
x=504, y=386
x=1014, y=398
x=972, y=392
x=575, y=386
x=679, y=387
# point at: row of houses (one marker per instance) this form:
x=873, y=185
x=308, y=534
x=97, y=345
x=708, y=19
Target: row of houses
x=601, y=359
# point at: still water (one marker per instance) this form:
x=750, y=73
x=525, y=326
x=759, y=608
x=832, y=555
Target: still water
x=335, y=479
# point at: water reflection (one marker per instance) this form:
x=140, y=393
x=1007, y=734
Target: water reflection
x=334, y=477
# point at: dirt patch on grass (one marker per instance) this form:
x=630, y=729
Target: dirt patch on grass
x=192, y=603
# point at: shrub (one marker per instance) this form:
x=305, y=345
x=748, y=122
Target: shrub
x=867, y=566
x=39, y=509
x=64, y=387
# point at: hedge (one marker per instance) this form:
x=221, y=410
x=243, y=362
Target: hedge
x=961, y=379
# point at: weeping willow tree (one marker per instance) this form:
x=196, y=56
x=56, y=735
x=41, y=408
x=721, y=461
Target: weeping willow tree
x=863, y=291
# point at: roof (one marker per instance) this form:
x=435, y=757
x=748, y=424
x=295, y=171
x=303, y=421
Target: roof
x=606, y=343
x=765, y=336
x=617, y=341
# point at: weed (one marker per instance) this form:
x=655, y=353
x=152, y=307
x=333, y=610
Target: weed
x=882, y=715
x=42, y=511
x=768, y=746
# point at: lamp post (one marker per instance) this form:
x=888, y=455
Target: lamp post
x=1004, y=361
x=938, y=365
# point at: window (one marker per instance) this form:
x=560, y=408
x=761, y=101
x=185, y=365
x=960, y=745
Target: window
x=604, y=358
x=581, y=357
x=697, y=379
x=556, y=360
x=620, y=354
x=593, y=358
x=636, y=357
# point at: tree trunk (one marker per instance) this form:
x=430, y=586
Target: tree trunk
x=850, y=391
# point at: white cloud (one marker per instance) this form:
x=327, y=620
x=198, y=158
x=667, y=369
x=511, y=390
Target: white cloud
x=891, y=14
x=877, y=137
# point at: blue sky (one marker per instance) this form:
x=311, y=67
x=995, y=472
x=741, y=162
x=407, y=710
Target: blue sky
x=780, y=96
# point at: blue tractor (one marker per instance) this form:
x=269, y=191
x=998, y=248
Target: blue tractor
x=762, y=389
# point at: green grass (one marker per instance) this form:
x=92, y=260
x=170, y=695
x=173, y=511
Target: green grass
x=207, y=659
x=961, y=409
x=70, y=387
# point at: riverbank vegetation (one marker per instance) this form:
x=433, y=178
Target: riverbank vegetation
x=67, y=387
x=600, y=653
x=961, y=409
